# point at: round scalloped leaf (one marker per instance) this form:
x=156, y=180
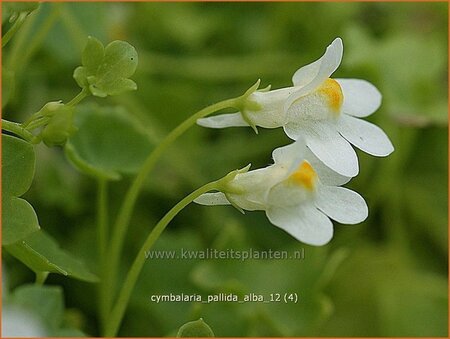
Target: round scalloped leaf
x=92, y=55
x=46, y=302
x=105, y=70
x=195, y=329
x=41, y=253
x=109, y=142
x=18, y=161
x=18, y=216
x=18, y=220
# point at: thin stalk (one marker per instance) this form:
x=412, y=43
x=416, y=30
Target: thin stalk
x=41, y=34
x=118, y=311
x=17, y=129
x=123, y=219
x=73, y=27
x=102, y=217
x=39, y=122
x=80, y=96
x=15, y=27
x=102, y=235
x=17, y=61
x=19, y=42
x=41, y=277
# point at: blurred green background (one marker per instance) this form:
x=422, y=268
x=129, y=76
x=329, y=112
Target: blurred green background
x=384, y=277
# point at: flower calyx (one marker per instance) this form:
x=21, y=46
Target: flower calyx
x=226, y=186
x=244, y=104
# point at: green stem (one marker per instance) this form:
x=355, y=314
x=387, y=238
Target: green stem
x=123, y=219
x=73, y=27
x=15, y=27
x=102, y=230
x=41, y=34
x=17, y=129
x=102, y=217
x=40, y=121
x=41, y=277
x=17, y=61
x=125, y=293
x=80, y=96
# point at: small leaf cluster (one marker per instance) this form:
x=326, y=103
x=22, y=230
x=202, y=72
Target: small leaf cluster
x=102, y=142
x=106, y=70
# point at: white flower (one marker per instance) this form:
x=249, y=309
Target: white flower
x=298, y=193
x=323, y=111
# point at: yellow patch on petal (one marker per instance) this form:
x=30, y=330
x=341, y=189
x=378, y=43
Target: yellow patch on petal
x=333, y=92
x=304, y=176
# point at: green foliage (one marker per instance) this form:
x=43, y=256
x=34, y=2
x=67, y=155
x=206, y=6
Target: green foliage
x=46, y=302
x=195, y=329
x=393, y=280
x=388, y=309
x=41, y=253
x=106, y=70
x=7, y=85
x=11, y=10
x=18, y=217
x=109, y=142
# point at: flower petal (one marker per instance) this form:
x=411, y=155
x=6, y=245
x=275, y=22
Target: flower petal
x=325, y=142
x=290, y=155
x=286, y=193
x=321, y=69
x=326, y=175
x=223, y=120
x=303, y=222
x=341, y=204
x=365, y=135
x=361, y=98
x=209, y=199
x=309, y=77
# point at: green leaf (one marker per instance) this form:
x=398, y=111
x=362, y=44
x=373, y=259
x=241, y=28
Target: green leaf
x=69, y=333
x=307, y=277
x=41, y=253
x=80, y=75
x=105, y=71
x=18, y=163
x=109, y=142
x=47, y=304
x=93, y=55
x=25, y=6
x=424, y=315
x=19, y=220
x=195, y=329
x=44, y=301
